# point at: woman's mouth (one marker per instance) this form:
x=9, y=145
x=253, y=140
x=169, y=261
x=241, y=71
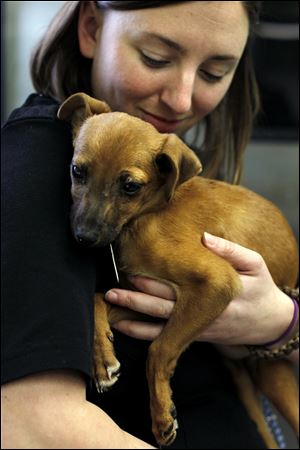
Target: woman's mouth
x=161, y=124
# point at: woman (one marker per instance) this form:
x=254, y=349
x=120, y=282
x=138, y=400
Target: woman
x=175, y=65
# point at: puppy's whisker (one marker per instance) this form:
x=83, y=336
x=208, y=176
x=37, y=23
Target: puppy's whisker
x=114, y=263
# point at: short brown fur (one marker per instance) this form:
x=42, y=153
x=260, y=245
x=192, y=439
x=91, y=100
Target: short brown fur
x=157, y=233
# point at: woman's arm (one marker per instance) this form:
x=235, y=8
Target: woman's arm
x=49, y=410
x=258, y=315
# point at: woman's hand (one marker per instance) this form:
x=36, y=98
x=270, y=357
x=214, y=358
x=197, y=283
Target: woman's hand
x=153, y=298
x=260, y=314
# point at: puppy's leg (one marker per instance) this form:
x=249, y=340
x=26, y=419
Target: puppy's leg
x=105, y=364
x=197, y=305
x=249, y=397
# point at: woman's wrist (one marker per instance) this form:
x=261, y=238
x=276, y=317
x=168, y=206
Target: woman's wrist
x=290, y=329
x=288, y=340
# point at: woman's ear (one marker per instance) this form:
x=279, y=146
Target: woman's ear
x=89, y=26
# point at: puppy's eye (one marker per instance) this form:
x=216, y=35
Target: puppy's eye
x=130, y=187
x=79, y=172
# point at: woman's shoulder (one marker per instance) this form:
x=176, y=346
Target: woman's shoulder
x=34, y=129
x=36, y=106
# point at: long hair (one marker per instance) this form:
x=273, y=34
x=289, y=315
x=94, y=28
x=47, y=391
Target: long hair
x=58, y=70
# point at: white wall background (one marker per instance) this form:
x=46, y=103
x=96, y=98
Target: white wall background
x=24, y=22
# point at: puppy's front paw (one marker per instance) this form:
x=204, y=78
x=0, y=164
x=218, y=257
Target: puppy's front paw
x=164, y=428
x=106, y=366
x=106, y=377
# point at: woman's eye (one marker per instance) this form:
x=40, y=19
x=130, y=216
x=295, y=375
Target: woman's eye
x=210, y=77
x=154, y=63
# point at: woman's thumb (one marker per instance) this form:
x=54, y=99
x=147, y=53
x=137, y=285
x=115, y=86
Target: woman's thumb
x=241, y=258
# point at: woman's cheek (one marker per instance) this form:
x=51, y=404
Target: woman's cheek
x=137, y=82
x=210, y=97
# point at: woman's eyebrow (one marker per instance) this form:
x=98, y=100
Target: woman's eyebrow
x=172, y=44
x=230, y=58
x=175, y=46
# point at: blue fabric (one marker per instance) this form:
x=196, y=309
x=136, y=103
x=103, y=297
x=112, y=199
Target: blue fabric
x=273, y=423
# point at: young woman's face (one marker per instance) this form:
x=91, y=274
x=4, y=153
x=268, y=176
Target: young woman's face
x=169, y=66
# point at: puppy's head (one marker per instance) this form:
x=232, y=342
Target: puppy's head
x=122, y=167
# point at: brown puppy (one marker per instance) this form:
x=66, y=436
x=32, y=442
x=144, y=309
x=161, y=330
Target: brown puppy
x=137, y=187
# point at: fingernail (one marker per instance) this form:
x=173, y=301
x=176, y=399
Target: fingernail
x=209, y=238
x=111, y=296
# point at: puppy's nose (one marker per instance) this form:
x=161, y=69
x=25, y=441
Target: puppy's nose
x=86, y=239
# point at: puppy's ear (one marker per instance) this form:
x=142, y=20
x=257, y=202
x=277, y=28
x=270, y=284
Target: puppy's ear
x=176, y=162
x=78, y=107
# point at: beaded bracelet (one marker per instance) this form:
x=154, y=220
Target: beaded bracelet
x=262, y=351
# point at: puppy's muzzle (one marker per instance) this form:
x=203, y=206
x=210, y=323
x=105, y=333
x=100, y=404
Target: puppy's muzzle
x=95, y=237
x=90, y=229
x=87, y=238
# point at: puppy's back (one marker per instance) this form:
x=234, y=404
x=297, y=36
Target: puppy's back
x=232, y=212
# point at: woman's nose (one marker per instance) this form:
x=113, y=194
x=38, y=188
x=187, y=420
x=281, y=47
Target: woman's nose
x=178, y=95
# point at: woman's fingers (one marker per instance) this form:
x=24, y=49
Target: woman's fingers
x=242, y=259
x=143, y=303
x=139, y=330
x=153, y=287
x=155, y=299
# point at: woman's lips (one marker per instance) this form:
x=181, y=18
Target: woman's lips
x=162, y=125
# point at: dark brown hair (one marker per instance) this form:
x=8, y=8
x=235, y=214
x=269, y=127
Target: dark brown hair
x=58, y=70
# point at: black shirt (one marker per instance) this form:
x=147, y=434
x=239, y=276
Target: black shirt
x=48, y=282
